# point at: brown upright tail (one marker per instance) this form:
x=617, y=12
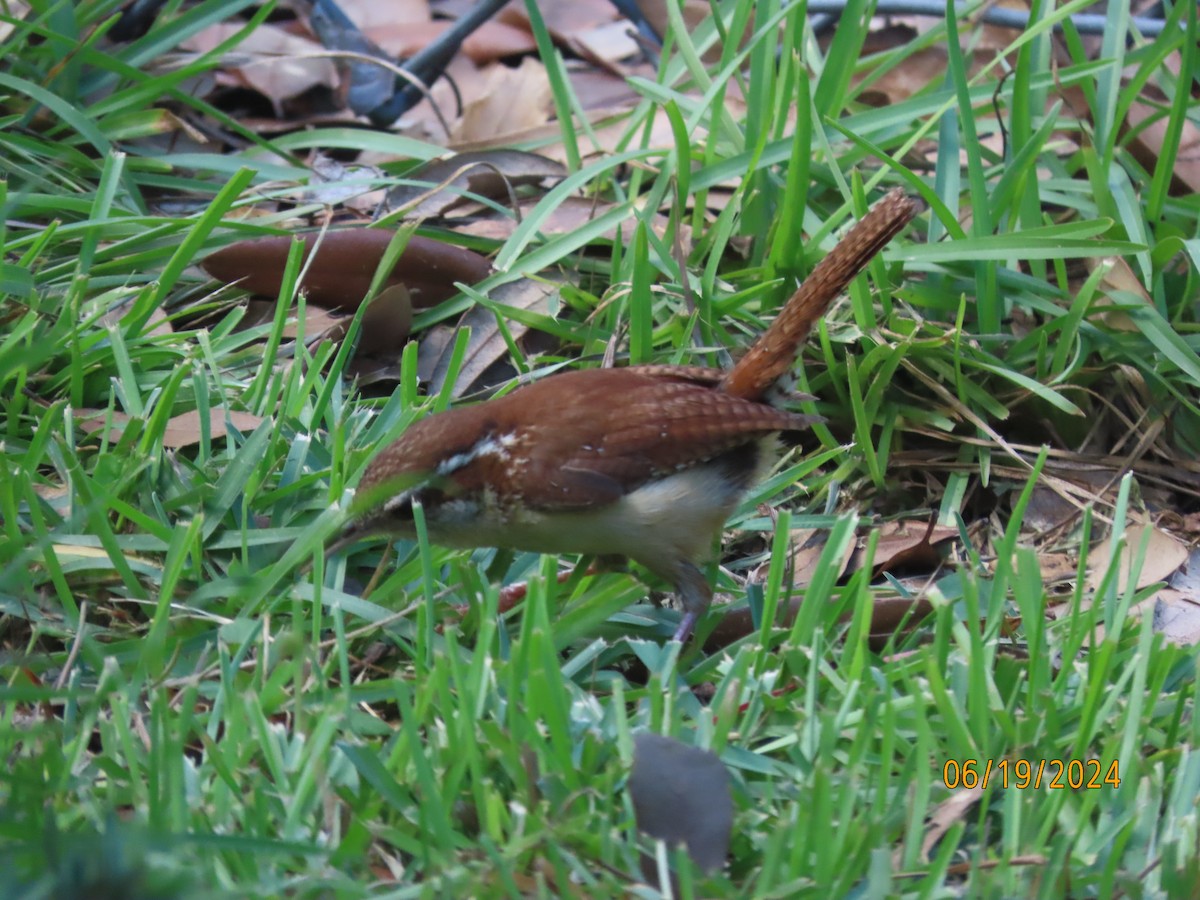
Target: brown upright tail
x=775, y=351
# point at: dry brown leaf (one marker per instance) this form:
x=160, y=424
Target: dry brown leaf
x=342, y=271
x=920, y=69
x=804, y=563
x=945, y=815
x=1164, y=554
x=607, y=43
x=273, y=62
x=569, y=216
x=1187, y=577
x=1057, y=567
x=610, y=128
x=1047, y=508
x=372, y=17
x=513, y=100
x=319, y=322
x=387, y=322
x=1177, y=607
x=488, y=173
x=461, y=85
x=492, y=41
x=1177, y=616
x=1147, y=147
x=564, y=19
x=693, y=12
x=92, y=420
x=1065, y=491
x=600, y=89
x=888, y=613
x=1119, y=278
x=14, y=12
x=910, y=543
x=486, y=345
x=183, y=430
x=157, y=325
x=52, y=492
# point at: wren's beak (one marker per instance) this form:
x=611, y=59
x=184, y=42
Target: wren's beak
x=374, y=507
x=359, y=529
x=352, y=534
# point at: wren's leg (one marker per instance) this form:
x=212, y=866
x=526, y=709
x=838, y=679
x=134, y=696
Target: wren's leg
x=695, y=594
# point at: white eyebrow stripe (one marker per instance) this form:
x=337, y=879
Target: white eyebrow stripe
x=400, y=500
x=492, y=445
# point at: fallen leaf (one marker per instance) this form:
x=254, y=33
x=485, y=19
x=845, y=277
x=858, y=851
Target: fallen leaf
x=371, y=16
x=387, y=322
x=693, y=13
x=607, y=43
x=1121, y=284
x=487, y=344
x=1164, y=554
x=568, y=216
x=52, y=493
x=1057, y=569
x=910, y=543
x=14, y=14
x=92, y=420
x=1187, y=577
x=805, y=561
x=681, y=795
x=439, y=185
x=337, y=184
x=1147, y=146
x=180, y=431
x=1177, y=617
x=513, y=100
x=341, y=274
x=890, y=612
x=565, y=18
x=490, y=42
x=944, y=816
x=183, y=430
x=269, y=60
x=599, y=89
x=319, y=323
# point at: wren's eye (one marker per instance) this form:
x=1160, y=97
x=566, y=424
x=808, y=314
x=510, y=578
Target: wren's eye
x=430, y=494
x=400, y=506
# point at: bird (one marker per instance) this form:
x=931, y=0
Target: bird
x=643, y=462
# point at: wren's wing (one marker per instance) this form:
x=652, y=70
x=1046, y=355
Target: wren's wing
x=574, y=440
x=598, y=450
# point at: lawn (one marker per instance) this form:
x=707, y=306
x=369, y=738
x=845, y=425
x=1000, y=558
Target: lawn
x=953, y=651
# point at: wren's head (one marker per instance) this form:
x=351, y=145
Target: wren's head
x=424, y=464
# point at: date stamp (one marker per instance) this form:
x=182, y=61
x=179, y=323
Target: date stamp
x=1055, y=774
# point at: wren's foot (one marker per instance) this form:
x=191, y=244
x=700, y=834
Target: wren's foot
x=695, y=594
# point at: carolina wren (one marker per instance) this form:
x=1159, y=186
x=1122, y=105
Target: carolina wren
x=644, y=462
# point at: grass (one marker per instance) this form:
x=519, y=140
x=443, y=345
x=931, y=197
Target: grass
x=194, y=704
